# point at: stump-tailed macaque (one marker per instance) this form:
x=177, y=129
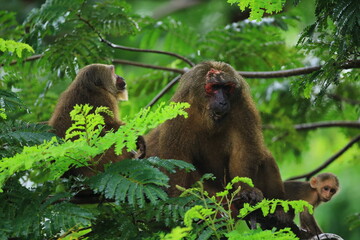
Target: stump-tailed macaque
x=222, y=135
x=319, y=189
x=96, y=85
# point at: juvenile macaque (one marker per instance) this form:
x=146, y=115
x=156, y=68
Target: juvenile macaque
x=96, y=85
x=319, y=189
x=222, y=135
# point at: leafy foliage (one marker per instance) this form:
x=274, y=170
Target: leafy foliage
x=15, y=135
x=203, y=221
x=56, y=158
x=65, y=21
x=135, y=181
x=248, y=40
x=283, y=234
x=354, y=221
x=258, y=8
x=10, y=101
x=65, y=37
x=9, y=25
x=31, y=213
x=14, y=47
x=334, y=37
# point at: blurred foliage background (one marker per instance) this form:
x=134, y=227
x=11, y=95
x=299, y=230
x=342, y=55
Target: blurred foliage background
x=302, y=35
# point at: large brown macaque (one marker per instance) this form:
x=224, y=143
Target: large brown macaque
x=222, y=135
x=96, y=85
x=319, y=189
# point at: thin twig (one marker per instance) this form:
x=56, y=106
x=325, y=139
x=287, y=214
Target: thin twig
x=307, y=176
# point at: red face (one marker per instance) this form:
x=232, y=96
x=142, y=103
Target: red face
x=218, y=91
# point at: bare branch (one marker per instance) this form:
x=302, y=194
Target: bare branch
x=343, y=99
x=165, y=90
x=126, y=62
x=281, y=73
x=174, y=6
x=29, y=59
x=307, y=176
x=311, y=126
x=297, y=71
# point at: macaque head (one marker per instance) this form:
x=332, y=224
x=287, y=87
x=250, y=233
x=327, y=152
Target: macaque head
x=326, y=185
x=103, y=76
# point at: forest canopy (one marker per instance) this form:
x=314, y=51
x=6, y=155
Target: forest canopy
x=300, y=58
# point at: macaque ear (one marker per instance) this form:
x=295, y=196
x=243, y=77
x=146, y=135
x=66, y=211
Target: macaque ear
x=313, y=182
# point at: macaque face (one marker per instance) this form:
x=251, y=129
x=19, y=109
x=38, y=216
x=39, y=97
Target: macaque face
x=120, y=85
x=218, y=89
x=327, y=189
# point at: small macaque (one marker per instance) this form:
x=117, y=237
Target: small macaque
x=319, y=189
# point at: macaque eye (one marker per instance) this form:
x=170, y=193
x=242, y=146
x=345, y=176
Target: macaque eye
x=326, y=188
x=333, y=191
x=211, y=88
x=229, y=87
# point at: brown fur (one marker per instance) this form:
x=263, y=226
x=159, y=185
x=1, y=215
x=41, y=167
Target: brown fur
x=95, y=85
x=313, y=192
x=232, y=146
x=227, y=143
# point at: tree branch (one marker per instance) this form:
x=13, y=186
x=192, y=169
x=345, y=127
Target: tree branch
x=311, y=126
x=246, y=74
x=307, y=176
x=165, y=90
x=126, y=62
x=343, y=99
x=174, y=6
x=297, y=71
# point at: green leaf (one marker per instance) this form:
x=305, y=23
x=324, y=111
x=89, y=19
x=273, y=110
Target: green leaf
x=131, y=181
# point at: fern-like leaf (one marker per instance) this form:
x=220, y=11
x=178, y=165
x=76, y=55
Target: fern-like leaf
x=10, y=101
x=32, y=214
x=131, y=181
x=14, y=135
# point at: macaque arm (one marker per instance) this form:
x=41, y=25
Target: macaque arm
x=270, y=181
x=309, y=223
x=243, y=167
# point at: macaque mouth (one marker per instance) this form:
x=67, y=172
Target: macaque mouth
x=217, y=116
